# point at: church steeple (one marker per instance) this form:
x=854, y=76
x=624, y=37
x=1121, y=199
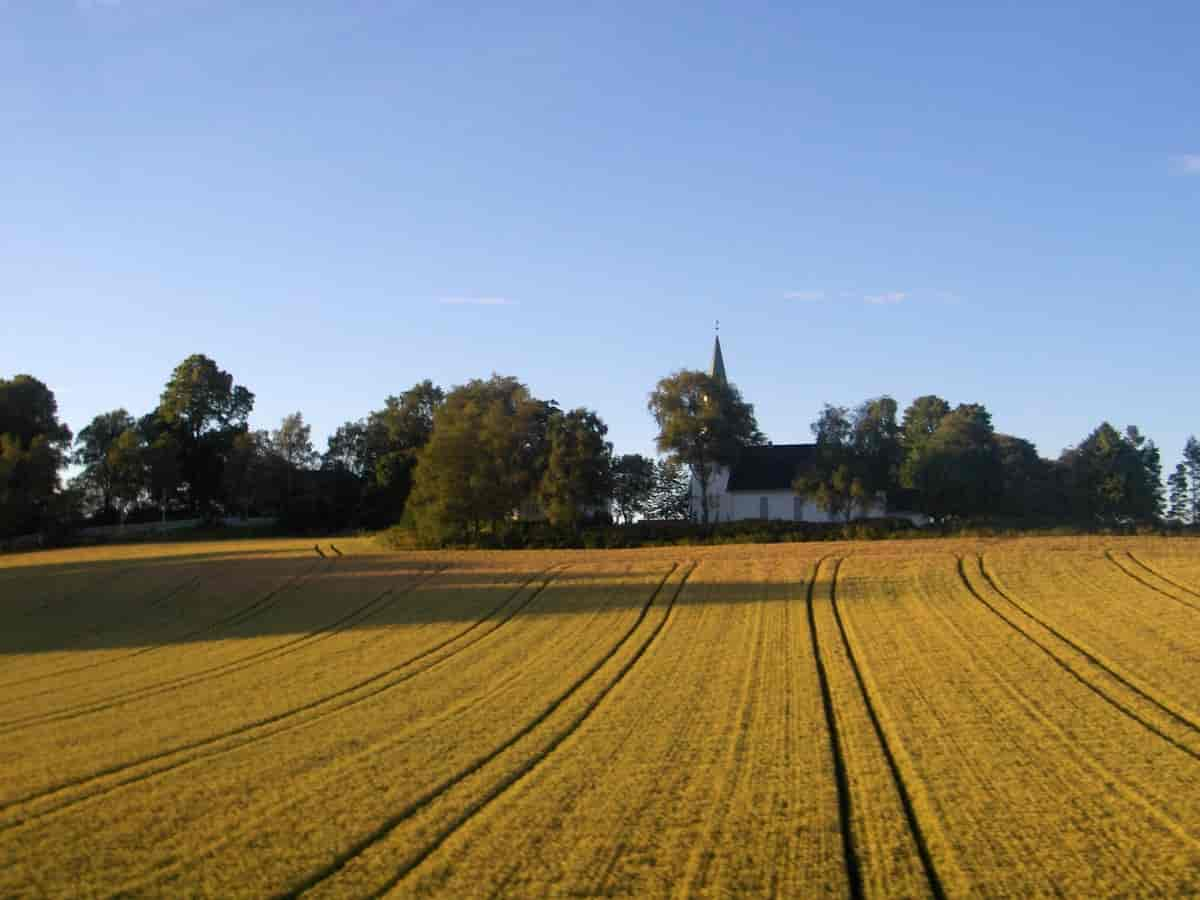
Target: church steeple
x=718, y=361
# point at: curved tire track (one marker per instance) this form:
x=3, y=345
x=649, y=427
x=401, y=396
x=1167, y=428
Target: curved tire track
x=247, y=729
x=387, y=827
x=1108, y=554
x=1158, y=574
x=1088, y=655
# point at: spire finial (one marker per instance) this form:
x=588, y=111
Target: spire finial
x=718, y=326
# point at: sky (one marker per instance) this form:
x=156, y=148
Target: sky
x=335, y=200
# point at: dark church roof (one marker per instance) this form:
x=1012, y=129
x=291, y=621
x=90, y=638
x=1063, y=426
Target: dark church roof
x=770, y=468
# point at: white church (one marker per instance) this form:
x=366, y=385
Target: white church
x=759, y=484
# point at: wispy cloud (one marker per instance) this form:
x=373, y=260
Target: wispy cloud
x=887, y=299
x=476, y=301
x=1186, y=164
x=805, y=296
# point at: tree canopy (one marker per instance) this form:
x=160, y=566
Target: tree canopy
x=34, y=447
x=703, y=422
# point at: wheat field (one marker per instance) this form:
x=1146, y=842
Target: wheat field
x=926, y=718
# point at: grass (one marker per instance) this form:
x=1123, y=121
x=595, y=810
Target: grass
x=245, y=718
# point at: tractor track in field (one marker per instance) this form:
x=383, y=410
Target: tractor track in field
x=170, y=595
x=260, y=606
x=734, y=763
x=1090, y=657
x=282, y=717
x=1158, y=574
x=411, y=809
x=910, y=814
x=1111, y=557
x=840, y=773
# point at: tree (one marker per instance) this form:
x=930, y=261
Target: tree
x=921, y=420
x=205, y=410
x=126, y=466
x=246, y=478
x=200, y=396
x=858, y=456
x=633, y=482
x=91, y=451
x=33, y=448
x=347, y=449
x=1180, y=502
x=832, y=482
x=1112, y=477
x=671, y=497
x=956, y=469
x=578, y=476
x=163, y=471
x=1191, y=459
x=703, y=423
x=291, y=443
x=1027, y=483
x=380, y=451
x=393, y=436
x=877, y=443
x=486, y=454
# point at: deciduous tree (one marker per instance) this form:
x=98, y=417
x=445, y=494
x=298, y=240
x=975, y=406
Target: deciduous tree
x=703, y=423
x=91, y=451
x=633, y=485
x=956, y=469
x=33, y=449
x=486, y=454
x=578, y=476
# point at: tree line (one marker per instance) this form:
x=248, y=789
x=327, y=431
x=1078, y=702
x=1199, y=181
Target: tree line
x=485, y=450
x=460, y=463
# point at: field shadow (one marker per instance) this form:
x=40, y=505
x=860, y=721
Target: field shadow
x=179, y=600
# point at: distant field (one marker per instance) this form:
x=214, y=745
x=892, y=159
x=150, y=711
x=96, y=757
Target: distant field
x=1001, y=718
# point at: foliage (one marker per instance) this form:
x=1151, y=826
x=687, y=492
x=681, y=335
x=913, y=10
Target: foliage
x=127, y=470
x=92, y=448
x=380, y=451
x=200, y=396
x=33, y=448
x=633, y=483
x=703, y=423
x=857, y=457
x=1191, y=461
x=203, y=408
x=578, y=477
x=921, y=420
x=1110, y=477
x=485, y=456
x=1180, y=508
x=670, y=498
x=1028, y=483
x=956, y=469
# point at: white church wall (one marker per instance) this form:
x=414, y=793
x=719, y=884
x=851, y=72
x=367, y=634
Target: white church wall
x=782, y=505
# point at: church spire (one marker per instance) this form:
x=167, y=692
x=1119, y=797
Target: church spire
x=718, y=361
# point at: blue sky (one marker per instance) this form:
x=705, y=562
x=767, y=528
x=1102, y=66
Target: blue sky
x=336, y=200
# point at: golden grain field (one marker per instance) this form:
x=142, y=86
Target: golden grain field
x=926, y=718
